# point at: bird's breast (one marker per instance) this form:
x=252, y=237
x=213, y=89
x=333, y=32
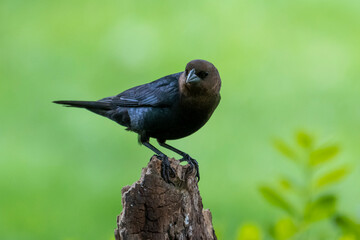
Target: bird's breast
x=195, y=112
x=199, y=106
x=182, y=119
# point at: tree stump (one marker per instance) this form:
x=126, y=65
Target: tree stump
x=154, y=209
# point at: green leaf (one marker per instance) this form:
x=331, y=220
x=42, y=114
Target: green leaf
x=276, y=199
x=284, y=149
x=286, y=183
x=331, y=177
x=321, y=208
x=348, y=225
x=284, y=229
x=348, y=237
x=249, y=231
x=323, y=155
x=304, y=140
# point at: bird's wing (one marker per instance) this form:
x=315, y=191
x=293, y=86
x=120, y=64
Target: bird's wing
x=159, y=93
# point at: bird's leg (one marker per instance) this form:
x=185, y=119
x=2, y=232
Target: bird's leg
x=165, y=164
x=186, y=157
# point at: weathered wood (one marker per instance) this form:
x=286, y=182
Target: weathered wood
x=154, y=209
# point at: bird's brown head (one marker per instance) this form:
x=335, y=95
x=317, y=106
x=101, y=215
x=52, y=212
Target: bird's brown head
x=200, y=77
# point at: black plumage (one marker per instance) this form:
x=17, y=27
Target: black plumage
x=171, y=107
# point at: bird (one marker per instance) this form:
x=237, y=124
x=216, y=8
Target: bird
x=172, y=107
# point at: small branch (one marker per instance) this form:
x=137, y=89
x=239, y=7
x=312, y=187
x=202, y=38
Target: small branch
x=154, y=209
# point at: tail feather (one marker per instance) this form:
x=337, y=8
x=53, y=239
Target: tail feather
x=86, y=104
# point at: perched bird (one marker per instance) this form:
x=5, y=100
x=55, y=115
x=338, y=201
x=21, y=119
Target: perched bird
x=171, y=107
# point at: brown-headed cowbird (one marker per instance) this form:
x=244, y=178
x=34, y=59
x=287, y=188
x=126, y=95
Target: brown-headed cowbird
x=171, y=107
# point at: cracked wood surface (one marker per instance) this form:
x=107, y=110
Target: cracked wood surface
x=154, y=209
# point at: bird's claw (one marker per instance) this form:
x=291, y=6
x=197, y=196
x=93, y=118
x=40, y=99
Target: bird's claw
x=192, y=163
x=166, y=170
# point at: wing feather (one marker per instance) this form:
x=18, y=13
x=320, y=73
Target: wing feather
x=159, y=93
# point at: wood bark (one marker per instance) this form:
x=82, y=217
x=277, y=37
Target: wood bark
x=154, y=209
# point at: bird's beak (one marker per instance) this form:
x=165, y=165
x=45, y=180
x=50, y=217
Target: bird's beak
x=192, y=77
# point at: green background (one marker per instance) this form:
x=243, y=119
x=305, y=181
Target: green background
x=285, y=65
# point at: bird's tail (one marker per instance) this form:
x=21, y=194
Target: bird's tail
x=91, y=105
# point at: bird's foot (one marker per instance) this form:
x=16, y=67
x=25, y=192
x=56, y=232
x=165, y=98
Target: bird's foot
x=166, y=170
x=193, y=164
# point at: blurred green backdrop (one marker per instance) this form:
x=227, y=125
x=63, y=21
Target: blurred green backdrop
x=285, y=65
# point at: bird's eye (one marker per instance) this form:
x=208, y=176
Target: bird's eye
x=202, y=74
